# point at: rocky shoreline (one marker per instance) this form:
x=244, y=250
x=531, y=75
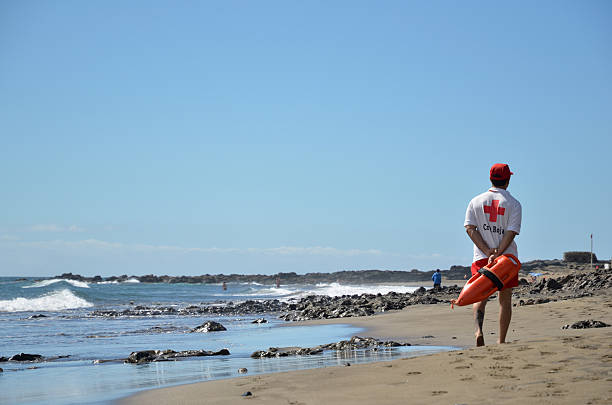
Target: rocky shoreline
x=456, y=272
x=151, y=356
x=573, y=285
x=354, y=343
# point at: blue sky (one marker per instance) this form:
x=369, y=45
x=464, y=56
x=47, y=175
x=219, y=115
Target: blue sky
x=256, y=137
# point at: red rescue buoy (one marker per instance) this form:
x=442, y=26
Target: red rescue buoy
x=488, y=280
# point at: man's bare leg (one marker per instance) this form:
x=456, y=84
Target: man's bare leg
x=505, y=313
x=479, y=313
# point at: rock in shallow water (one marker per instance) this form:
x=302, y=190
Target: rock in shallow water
x=148, y=356
x=26, y=357
x=356, y=342
x=210, y=326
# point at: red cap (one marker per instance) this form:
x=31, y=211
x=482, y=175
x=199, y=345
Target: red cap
x=500, y=171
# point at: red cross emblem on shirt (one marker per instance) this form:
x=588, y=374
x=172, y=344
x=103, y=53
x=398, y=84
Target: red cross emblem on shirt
x=494, y=210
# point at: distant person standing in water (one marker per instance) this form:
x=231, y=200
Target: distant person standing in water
x=492, y=220
x=437, y=279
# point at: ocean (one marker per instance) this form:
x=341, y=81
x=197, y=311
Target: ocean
x=55, y=318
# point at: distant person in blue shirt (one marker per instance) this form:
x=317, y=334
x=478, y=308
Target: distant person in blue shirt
x=437, y=279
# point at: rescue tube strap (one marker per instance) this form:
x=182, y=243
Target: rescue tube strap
x=491, y=276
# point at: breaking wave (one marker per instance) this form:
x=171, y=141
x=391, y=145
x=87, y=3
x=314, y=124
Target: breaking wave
x=274, y=292
x=336, y=289
x=44, y=283
x=55, y=301
x=330, y=289
x=128, y=281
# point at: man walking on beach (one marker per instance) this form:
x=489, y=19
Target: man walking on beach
x=492, y=220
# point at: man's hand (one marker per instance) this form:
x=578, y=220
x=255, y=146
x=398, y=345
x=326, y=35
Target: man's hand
x=493, y=254
x=475, y=236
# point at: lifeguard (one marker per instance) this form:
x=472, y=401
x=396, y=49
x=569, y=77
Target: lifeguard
x=492, y=220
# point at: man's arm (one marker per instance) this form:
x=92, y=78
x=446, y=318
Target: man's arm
x=476, y=237
x=503, y=245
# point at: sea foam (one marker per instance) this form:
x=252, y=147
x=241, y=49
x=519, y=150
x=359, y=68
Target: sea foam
x=329, y=289
x=44, y=283
x=336, y=289
x=273, y=292
x=55, y=301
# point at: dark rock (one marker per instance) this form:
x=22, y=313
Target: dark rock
x=3, y=359
x=260, y=320
x=210, y=326
x=37, y=316
x=26, y=357
x=197, y=353
x=1, y=370
x=142, y=356
x=247, y=394
x=242, y=370
x=587, y=324
x=356, y=342
x=148, y=356
x=553, y=284
x=420, y=291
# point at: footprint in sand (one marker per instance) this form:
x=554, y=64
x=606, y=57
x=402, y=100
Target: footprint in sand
x=588, y=347
x=505, y=388
x=545, y=353
x=470, y=378
x=523, y=348
x=477, y=357
x=529, y=366
x=501, y=358
x=500, y=367
x=502, y=375
x=460, y=367
x=556, y=393
x=434, y=393
x=413, y=373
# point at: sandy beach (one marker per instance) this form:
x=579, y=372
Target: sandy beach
x=541, y=363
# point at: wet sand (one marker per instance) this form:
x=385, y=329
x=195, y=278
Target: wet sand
x=541, y=364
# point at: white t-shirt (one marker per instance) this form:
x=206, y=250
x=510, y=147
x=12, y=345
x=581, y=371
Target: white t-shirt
x=493, y=213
